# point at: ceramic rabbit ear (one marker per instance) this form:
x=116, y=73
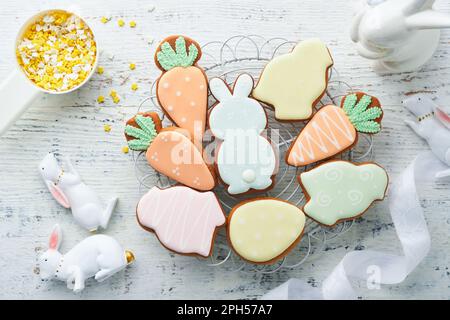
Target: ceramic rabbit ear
x=411, y=6
x=428, y=19
x=55, y=238
x=219, y=89
x=243, y=86
x=57, y=193
x=442, y=116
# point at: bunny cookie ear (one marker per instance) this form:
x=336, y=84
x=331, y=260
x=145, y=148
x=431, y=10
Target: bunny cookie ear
x=243, y=85
x=55, y=238
x=219, y=89
x=442, y=116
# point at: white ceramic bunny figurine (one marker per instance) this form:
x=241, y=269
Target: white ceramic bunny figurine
x=98, y=256
x=68, y=189
x=433, y=125
x=245, y=160
x=400, y=35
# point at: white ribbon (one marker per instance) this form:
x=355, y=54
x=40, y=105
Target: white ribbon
x=408, y=218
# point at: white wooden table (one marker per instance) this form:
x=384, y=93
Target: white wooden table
x=73, y=125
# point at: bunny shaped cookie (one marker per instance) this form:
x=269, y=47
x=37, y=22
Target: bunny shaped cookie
x=245, y=160
x=399, y=35
x=68, y=189
x=433, y=125
x=98, y=256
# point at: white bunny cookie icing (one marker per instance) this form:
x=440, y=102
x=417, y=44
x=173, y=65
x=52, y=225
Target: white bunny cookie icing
x=293, y=83
x=340, y=190
x=245, y=160
x=97, y=256
x=264, y=229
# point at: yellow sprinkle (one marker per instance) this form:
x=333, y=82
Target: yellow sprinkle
x=121, y=23
x=134, y=86
x=100, y=70
x=101, y=99
x=113, y=93
x=44, y=53
x=104, y=19
x=125, y=149
x=107, y=127
x=116, y=99
x=132, y=66
x=132, y=24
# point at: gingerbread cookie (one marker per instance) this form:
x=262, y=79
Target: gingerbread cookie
x=182, y=89
x=340, y=190
x=264, y=230
x=332, y=130
x=294, y=83
x=245, y=159
x=170, y=152
x=184, y=220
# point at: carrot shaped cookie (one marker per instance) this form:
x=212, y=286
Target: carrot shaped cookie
x=332, y=130
x=169, y=151
x=182, y=89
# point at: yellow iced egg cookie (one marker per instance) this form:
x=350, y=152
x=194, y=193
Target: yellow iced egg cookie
x=263, y=230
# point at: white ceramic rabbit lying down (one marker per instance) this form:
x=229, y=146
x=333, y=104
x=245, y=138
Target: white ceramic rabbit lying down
x=433, y=125
x=97, y=256
x=68, y=189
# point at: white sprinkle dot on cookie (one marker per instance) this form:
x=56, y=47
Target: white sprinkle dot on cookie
x=170, y=108
x=183, y=119
x=202, y=87
x=187, y=79
x=178, y=93
x=165, y=85
x=192, y=104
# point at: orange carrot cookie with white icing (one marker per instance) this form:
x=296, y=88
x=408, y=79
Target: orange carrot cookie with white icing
x=182, y=89
x=263, y=230
x=170, y=152
x=294, y=83
x=332, y=130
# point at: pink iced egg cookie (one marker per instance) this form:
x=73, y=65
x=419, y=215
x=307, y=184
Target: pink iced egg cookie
x=183, y=219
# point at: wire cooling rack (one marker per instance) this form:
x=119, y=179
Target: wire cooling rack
x=227, y=60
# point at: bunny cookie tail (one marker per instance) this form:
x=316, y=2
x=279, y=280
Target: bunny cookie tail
x=129, y=256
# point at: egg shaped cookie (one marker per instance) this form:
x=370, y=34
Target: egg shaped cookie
x=264, y=230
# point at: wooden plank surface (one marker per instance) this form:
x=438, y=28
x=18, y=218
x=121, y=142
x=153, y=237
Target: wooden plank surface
x=72, y=125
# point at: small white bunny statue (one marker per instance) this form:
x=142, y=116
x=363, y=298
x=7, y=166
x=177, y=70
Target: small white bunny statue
x=400, y=35
x=68, y=189
x=245, y=159
x=98, y=256
x=433, y=125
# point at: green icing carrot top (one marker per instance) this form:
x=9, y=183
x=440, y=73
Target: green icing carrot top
x=144, y=134
x=169, y=58
x=360, y=115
